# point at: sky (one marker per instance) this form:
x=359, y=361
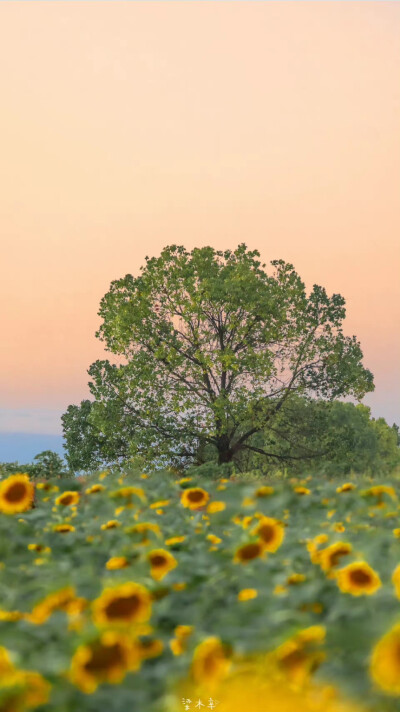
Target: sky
x=129, y=126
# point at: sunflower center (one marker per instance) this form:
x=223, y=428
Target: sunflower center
x=104, y=657
x=67, y=499
x=158, y=560
x=293, y=659
x=123, y=607
x=16, y=492
x=266, y=532
x=360, y=577
x=335, y=557
x=250, y=551
x=212, y=662
x=196, y=496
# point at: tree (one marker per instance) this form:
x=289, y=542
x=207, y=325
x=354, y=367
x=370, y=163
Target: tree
x=344, y=435
x=206, y=343
x=85, y=444
x=48, y=464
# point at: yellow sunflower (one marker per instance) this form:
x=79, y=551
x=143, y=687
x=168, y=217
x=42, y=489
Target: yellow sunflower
x=41, y=548
x=106, y=659
x=246, y=594
x=175, y=540
x=149, y=647
x=271, y=533
x=252, y=689
x=68, y=498
x=58, y=600
x=128, y=492
x=117, y=562
x=16, y=494
x=210, y=663
x=299, y=656
x=378, y=491
x=347, y=487
x=385, y=662
x=161, y=562
x=144, y=528
x=179, y=643
x=330, y=557
x=194, y=498
x=215, y=506
x=302, y=490
x=22, y=690
x=248, y=552
x=264, y=491
x=160, y=503
x=63, y=528
x=94, y=489
x=111, y=524
x=121, y=605
x=358, y=578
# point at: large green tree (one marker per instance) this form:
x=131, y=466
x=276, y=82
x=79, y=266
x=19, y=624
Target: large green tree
x=343, y=437
x=206, y=342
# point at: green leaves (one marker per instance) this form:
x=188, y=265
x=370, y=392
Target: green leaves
x=202, y=337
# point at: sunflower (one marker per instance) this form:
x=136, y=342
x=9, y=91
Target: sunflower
x=128, y=492
x=271, y=533
x=22, y=690
x=210, y=662
x=330, y=557
x=302, y=490
x=11, y=617
x=216, y=506
x=106, y=659
x=175, y=540
x=253, y=689
x=40, y=548
x=358, y=578
x=179, y=643
x=117, y=562
x=160, y=503
x=68, y=498
x=111, y=524
x=144, y=528
x=347, y=487
x=58, y=600
x=299, y=656
x=294, y=579
x=378, y=491
x=264, y=491
x=248, y=552
x=161, y=562
x=121, y=605
x=94, y=489
x=385, y=662
x=246, y=594
x=63, y=528
x=16, y=494
x=149, y=647
x=194, y=497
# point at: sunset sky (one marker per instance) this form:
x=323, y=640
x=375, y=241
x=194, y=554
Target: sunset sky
x=128, y=126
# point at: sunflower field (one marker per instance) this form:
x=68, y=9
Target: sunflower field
x=149, y=593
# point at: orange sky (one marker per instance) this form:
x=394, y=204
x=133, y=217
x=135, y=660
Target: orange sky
x=127, y=126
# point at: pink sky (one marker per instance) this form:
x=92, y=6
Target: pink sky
x=129, y=126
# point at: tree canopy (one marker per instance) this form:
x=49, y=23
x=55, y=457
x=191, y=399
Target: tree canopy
x=209, y=350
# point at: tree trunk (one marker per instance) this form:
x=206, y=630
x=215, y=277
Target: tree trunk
x=225, y=454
